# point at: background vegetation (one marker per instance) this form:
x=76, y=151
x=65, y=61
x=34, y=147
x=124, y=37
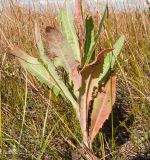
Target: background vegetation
x=37, y=125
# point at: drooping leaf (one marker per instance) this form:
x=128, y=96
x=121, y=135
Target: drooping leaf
x=67, y=25
x=37, y=69
x=109, y=60
x=96, y=39
x=102, y=106
x=89, y=40
x=63, y=53
x=53, y=73
x=51, y=68
x=79, y=20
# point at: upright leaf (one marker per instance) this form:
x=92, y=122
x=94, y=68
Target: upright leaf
x=90, y=74
x=37, y=69
x=67, y=25
x=102, y=106
x=58, y=46
x=89, y=40
x=109, y=60
x=96, y=39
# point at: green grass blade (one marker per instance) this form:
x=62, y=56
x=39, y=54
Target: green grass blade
x=47, y=141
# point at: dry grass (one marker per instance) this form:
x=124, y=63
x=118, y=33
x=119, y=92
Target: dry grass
x=36, y=125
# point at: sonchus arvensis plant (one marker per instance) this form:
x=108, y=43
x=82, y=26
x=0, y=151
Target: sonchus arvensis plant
x=93, y=87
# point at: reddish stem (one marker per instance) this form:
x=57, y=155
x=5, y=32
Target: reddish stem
x=80, y=23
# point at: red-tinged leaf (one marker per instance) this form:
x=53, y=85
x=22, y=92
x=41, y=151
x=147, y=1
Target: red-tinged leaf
x=80, y=24
x=63, y=55
x=102, y=106
x=93, y=70
x=90, y=74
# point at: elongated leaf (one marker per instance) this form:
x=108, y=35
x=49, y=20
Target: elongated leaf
x=50, y=67
x=90, y=74
x=53, y=73
x=102, y=106
x=96, y=39
x=93, y=71
x=37, y=69
x=89, y=40
x=64, y=54
x=68, y=30
x=83, y=104
x=110, y=59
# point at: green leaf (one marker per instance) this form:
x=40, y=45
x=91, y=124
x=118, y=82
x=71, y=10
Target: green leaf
x=67, y=25
x=96, y=39
x=89, y=40
x=51, y=68
x=53, y=73
x=37, y=69
x=109, y=60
